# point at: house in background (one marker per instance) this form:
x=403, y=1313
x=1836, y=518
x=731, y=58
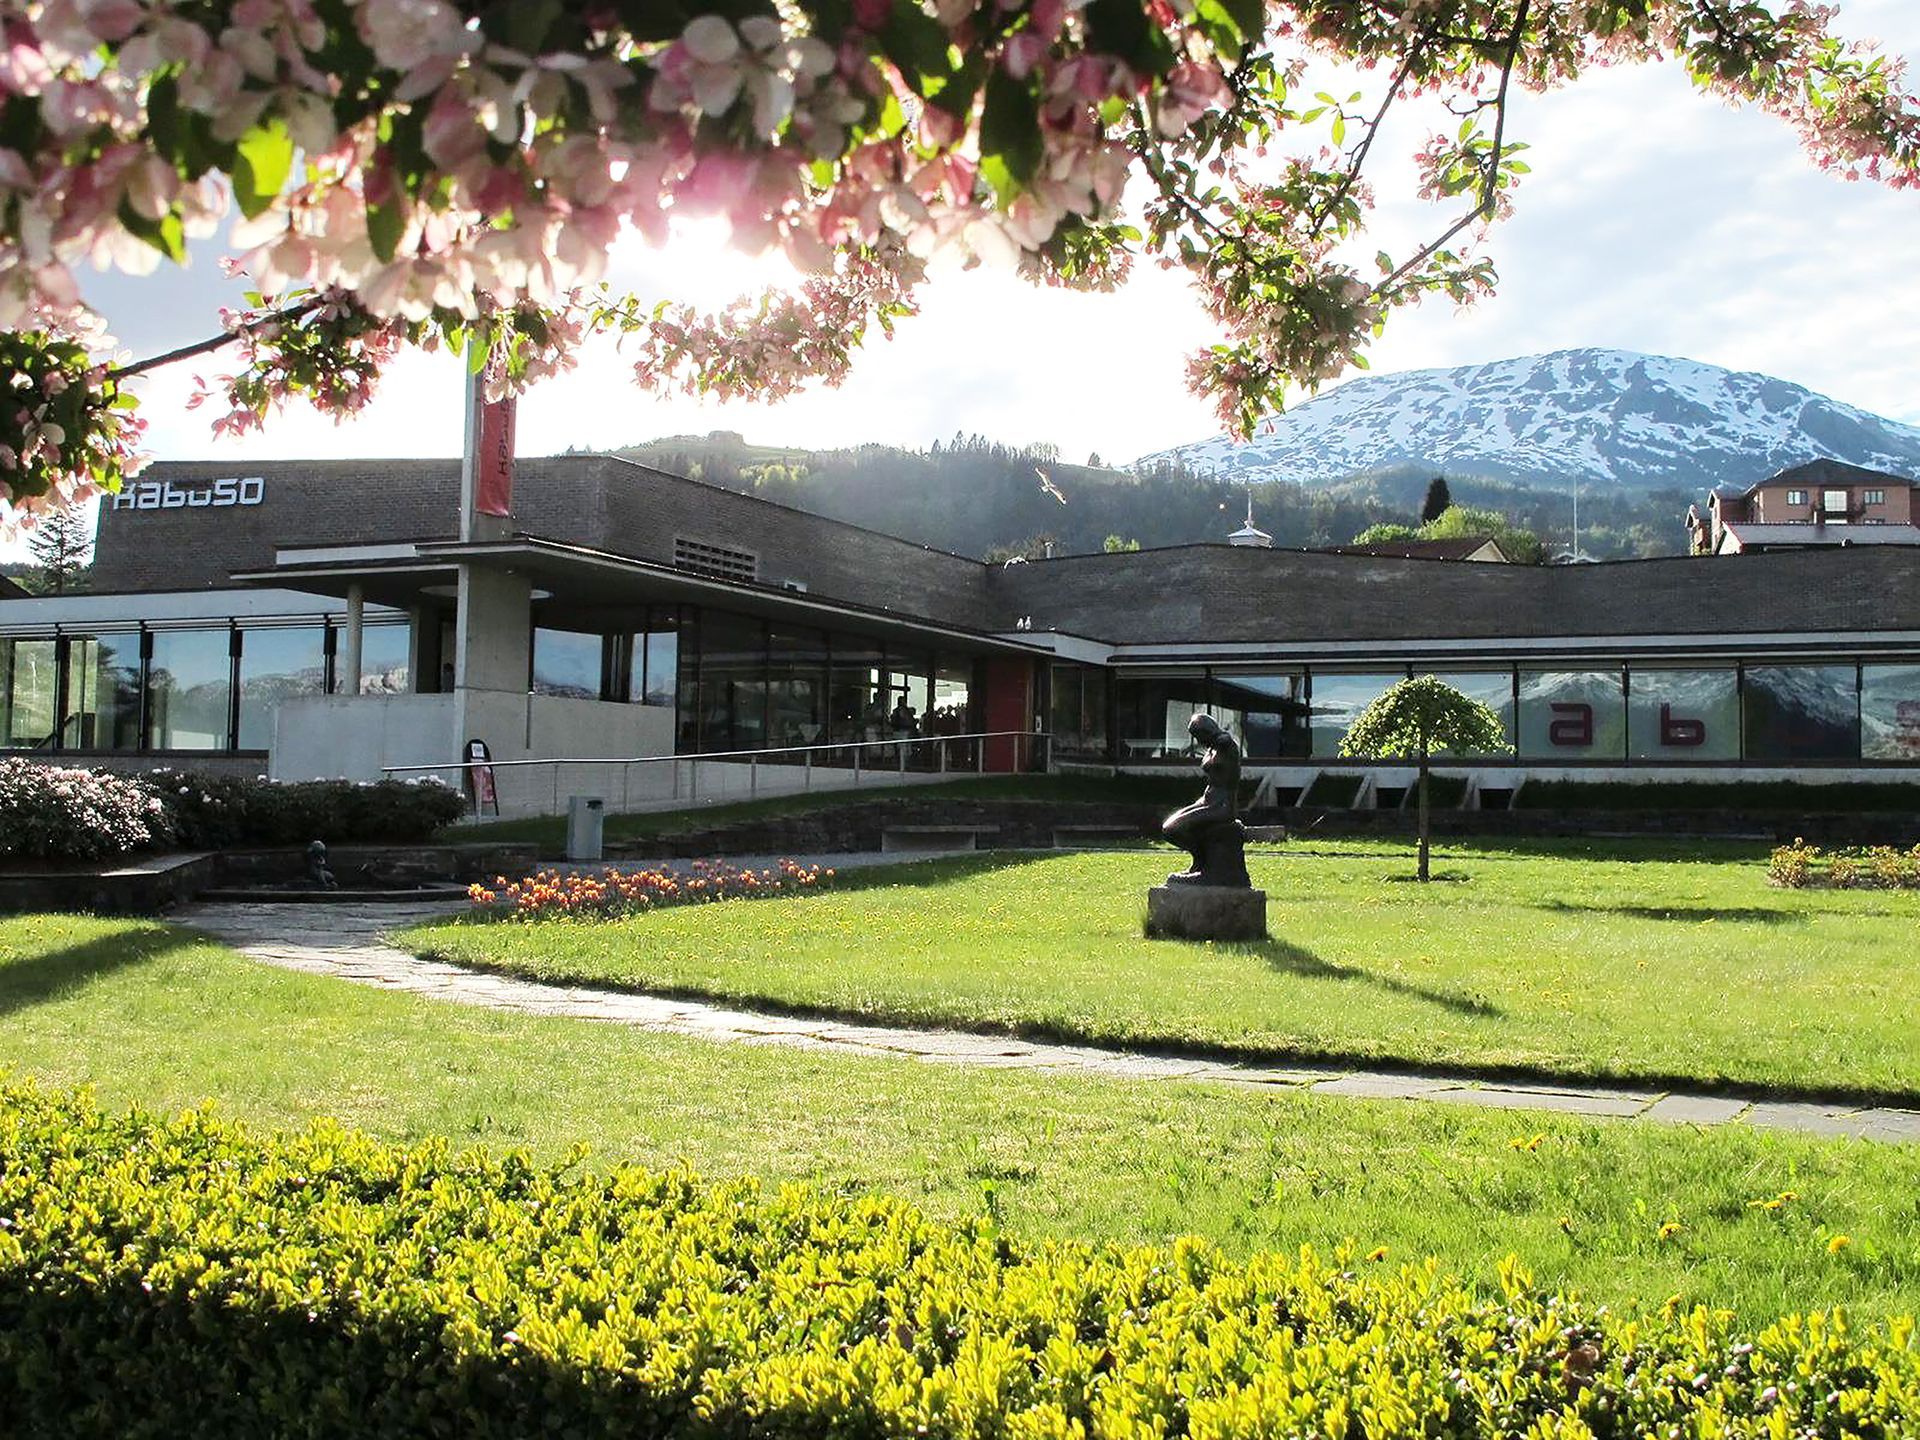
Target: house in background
x=1820, y=503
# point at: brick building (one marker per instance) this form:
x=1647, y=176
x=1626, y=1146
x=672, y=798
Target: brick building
x=328, y=618
x=1820, y=503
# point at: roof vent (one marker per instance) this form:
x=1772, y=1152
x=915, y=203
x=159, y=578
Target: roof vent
x=714, y=560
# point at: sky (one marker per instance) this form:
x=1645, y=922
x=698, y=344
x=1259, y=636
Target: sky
x=1656, y=219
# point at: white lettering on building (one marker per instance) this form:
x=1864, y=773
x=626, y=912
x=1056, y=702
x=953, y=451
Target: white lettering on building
x=166, y=495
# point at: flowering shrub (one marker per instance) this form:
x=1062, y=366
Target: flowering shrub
x=1874, y=867
x=554, y=894
x=407, y=170
x=216, y=812
x=48, y=813
x=325, y=1283
x=57, y=814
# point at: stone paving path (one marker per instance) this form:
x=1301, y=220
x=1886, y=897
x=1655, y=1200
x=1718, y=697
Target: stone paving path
x=345, y=940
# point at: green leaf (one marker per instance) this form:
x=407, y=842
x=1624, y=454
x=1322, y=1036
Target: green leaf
x=166, y=234
x=385, y=225
x=262, y=162
x=1009, y=135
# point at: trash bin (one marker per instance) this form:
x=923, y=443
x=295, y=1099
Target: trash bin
x=586, y=824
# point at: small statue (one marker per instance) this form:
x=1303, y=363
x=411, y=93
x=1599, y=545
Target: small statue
x=318, y=875
x=1209, y=829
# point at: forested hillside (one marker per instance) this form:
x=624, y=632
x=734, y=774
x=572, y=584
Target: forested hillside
x=977, y=497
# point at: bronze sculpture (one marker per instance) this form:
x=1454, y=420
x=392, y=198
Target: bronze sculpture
x=1210, y=828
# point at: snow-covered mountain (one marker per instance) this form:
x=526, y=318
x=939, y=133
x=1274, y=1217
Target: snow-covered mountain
x=1603, y=416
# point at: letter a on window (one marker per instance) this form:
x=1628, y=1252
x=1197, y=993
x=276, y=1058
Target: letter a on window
x=1572, y=724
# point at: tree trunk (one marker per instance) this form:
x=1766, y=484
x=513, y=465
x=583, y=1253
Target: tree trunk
x=1423, y=817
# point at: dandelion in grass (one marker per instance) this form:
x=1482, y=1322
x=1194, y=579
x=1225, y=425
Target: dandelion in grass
x=1521, y=1142
x=1837, y=1244
x=1671, y=1229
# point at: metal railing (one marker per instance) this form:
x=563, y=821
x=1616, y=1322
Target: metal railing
x=896, y=756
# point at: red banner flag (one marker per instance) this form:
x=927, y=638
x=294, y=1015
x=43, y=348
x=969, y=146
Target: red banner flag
x=493, y=458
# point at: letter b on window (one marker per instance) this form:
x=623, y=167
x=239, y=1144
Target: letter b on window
x=1679, y=732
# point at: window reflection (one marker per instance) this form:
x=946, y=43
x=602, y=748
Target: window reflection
x=565, y=663
x=1152, y=714
x=1801, y=712
x=1338, y=701
x=190, y=682
x=277, y=665
x=28, y=687
x=1890, y=712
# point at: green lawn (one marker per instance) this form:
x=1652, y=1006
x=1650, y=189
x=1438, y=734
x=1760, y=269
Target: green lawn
x=149, y=1015
x=1622, y=963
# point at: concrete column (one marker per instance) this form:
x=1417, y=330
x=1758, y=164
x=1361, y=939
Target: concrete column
x=492, y=656
x=350, y=661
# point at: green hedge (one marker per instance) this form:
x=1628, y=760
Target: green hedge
x=189, y=1277
x=217, y=812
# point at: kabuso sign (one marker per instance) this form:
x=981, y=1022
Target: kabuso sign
x=168, y=495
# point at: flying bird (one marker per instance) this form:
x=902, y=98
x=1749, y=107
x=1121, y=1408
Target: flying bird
x=1047, y=485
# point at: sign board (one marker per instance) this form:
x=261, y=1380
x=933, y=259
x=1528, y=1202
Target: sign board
x=479, y=776
x=168, y=495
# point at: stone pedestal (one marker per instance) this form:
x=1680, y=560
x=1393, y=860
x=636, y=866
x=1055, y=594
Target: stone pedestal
x=1206, y=912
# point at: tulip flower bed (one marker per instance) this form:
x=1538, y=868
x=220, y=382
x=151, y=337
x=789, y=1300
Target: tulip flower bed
x=1875, y=867
x=238, y=1283
x=560, y=894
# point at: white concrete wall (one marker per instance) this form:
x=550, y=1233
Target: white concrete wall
x=553, y=727
x=323, y=737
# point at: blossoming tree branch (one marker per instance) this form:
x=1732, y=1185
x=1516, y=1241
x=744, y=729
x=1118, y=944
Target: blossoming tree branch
x=422, y=173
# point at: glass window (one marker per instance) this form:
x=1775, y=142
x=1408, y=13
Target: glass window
x=1801, y=712
x=733, y=682
x=1684, y=715
x=953, y=684
x=565, y=662
x=909, y=685
x=28, y=690
x=1338, y=701
x=189, y=684
x=1267, y=714
x=686, y=707
x=856, y=701
x=1833, y=500
x=1079, y=720
x=385, y=659
x=1492, y=688
x=103, y=693
x=1572, y=715
x=278, y=665
x=1890, y=712
x=1875, y=497
x=1152, y=715
x=655, y=661
x=796, y=686
x=1796, y=497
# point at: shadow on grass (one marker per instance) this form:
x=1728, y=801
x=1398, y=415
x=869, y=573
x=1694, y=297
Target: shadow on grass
x=1682, y=914
x=1289, y=959
x=56, y=973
